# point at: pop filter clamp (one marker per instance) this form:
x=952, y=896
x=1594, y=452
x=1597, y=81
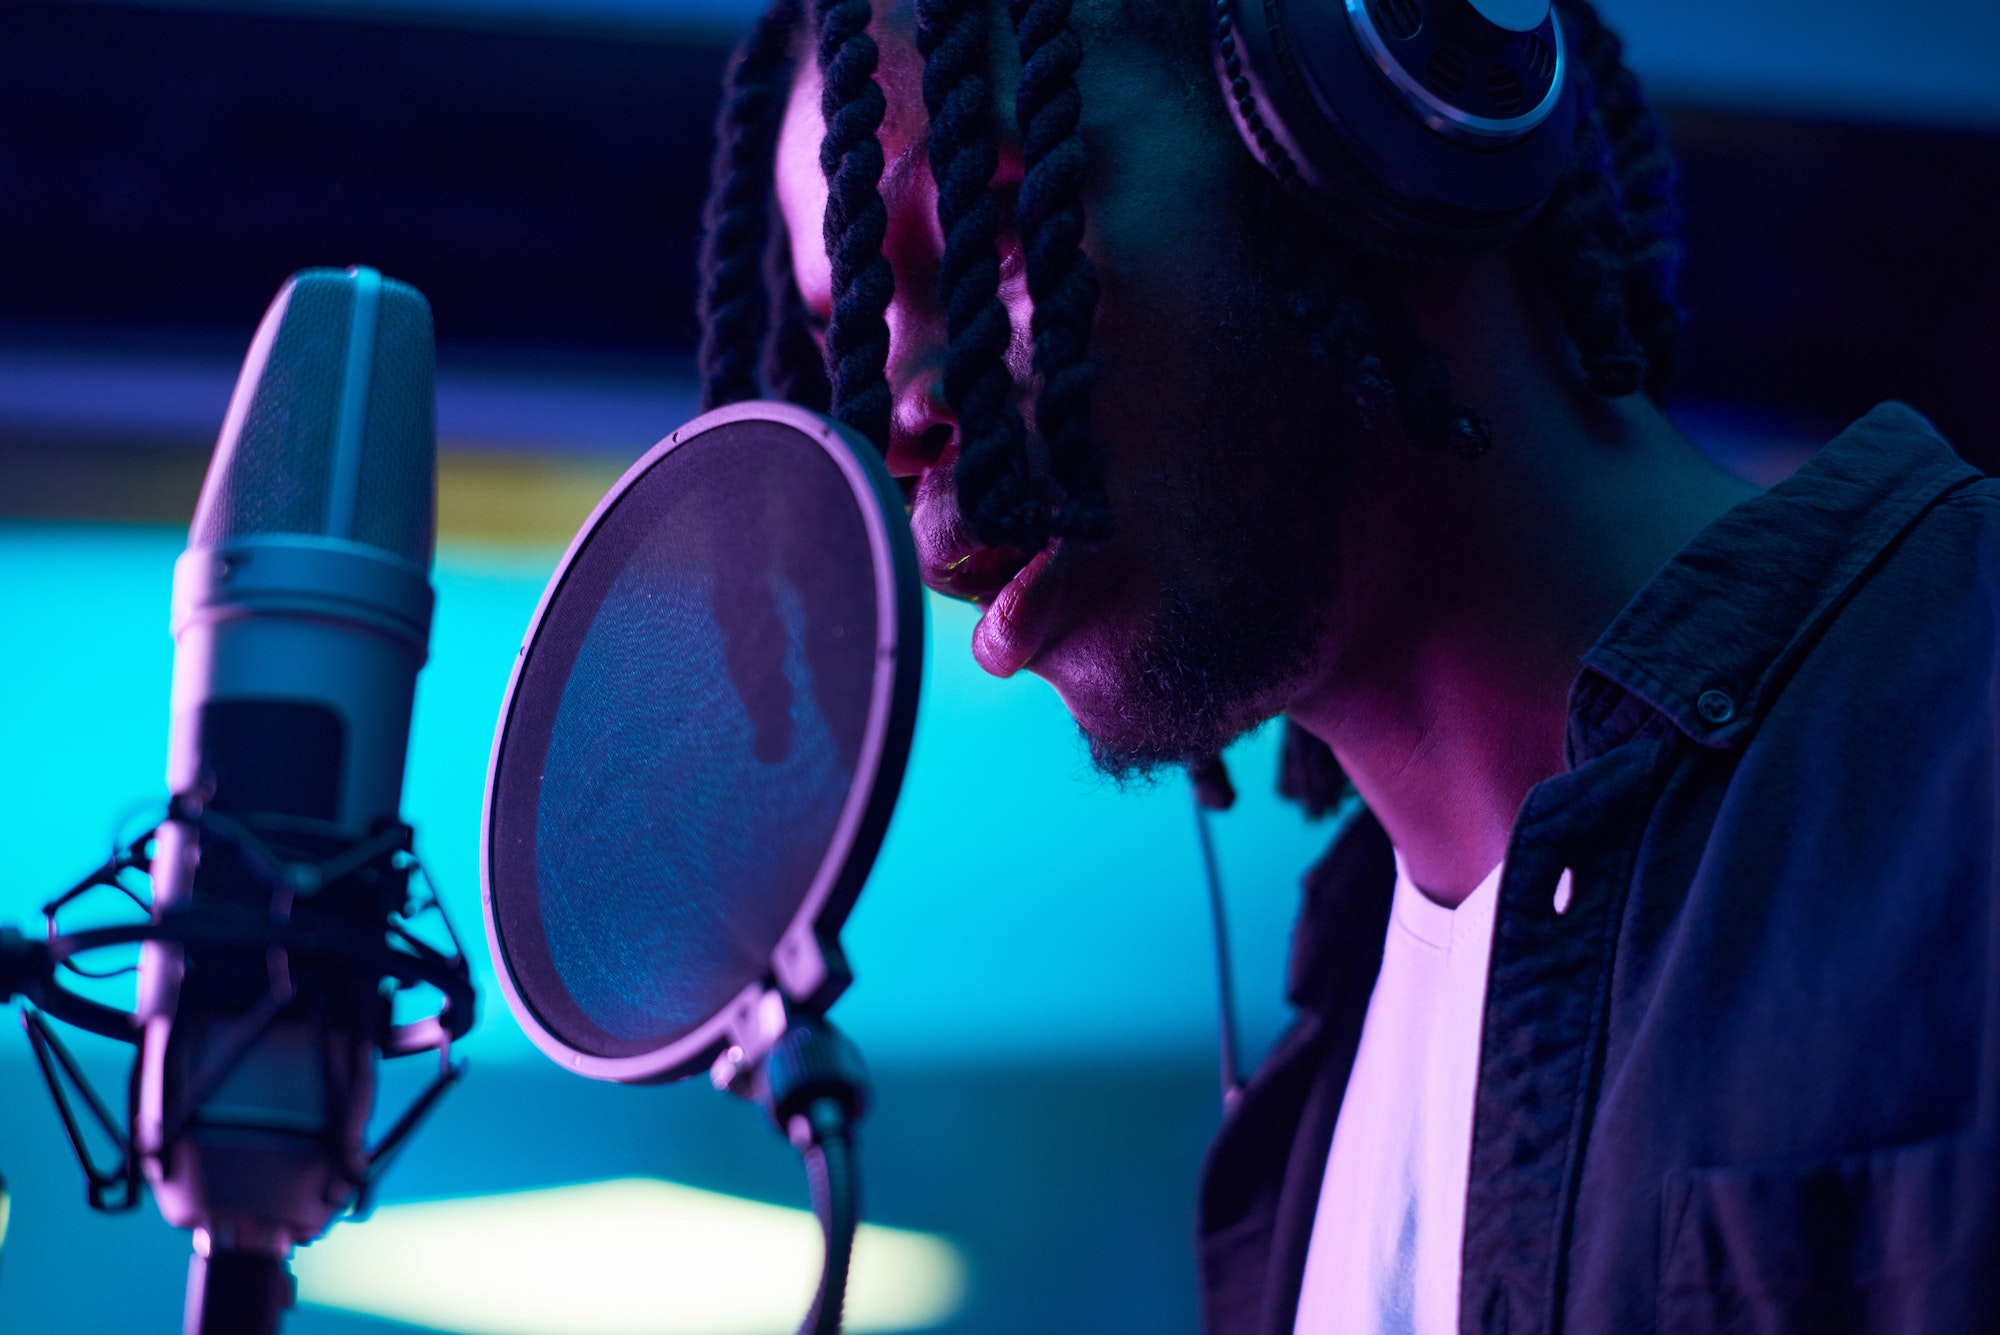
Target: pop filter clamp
x=699, y=751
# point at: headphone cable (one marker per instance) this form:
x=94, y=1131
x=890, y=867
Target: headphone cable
x=1232, y=1082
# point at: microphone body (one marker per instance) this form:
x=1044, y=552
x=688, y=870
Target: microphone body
x=301, y=616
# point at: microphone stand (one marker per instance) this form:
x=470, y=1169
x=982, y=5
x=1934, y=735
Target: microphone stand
x=234, y=1291
x=238, y=1284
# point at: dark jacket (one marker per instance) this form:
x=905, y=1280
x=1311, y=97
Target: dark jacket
x=1750, y=1080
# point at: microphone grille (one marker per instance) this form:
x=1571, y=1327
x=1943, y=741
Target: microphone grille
x=396, y=492
x=332, y=428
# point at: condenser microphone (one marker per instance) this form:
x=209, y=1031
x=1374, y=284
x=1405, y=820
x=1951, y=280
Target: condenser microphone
x=301, y=615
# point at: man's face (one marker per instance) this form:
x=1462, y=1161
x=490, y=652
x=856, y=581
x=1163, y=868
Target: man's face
x=1201, y=616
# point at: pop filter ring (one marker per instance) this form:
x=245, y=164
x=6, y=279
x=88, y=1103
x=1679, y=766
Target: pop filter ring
x=807, y=971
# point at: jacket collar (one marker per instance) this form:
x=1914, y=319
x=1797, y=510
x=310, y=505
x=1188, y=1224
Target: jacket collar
x=1707, y=643
x=1710, y=640
x=1344, y=912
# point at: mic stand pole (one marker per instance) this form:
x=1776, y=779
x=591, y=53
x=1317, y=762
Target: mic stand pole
x=239, y=1280
x=236, y=1291
x=17, y=963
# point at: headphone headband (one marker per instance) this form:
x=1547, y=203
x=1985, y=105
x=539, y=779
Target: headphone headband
x=1423, y=128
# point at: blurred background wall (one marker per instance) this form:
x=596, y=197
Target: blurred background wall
x=1035, y=989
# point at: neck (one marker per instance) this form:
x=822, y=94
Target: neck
x=1471, y=589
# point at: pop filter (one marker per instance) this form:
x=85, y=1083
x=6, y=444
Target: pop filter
x=700, y=748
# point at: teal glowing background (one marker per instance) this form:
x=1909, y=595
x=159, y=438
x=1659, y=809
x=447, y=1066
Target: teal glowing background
x=1035, y=990
x=1021, y=906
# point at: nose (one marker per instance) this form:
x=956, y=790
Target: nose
x=921, y=428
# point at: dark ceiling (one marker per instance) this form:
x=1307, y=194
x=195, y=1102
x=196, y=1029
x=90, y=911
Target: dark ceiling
x=162, y=169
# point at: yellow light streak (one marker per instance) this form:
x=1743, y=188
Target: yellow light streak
x=632, y=1256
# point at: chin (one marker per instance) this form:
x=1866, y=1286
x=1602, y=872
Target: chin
x=1134, y=723
x=1160, y=671
x=1091, y=688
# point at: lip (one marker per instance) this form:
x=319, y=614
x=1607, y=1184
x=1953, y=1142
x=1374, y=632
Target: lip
x=1015, y=625
x=999, y=580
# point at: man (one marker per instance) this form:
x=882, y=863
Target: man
x=1660, y=987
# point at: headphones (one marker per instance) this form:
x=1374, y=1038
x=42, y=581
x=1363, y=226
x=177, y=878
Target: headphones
x=1422, y=129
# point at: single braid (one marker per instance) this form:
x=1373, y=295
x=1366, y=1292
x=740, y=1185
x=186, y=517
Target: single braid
x=1309, y=773
x=992, y=470
x=1357, y=324
x=1653, y=262
x=1430, y=415
x=1349, y=338
x=1580, y=247
x=850, y=155
x=1340, y=327
x=1580, y=242
x=794, y=367
x=736, y=215
x=734, y=309
x=1647, y=181
x=1061, y=279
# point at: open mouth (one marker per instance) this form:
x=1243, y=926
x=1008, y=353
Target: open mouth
x=1016, y=623
x=977, y=576
x=1000, y=580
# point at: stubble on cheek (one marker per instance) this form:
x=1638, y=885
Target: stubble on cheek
x=1227, y=492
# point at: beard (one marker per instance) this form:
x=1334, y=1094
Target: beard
x=1241, y=514
x=1208, y=673
x=1242, y=613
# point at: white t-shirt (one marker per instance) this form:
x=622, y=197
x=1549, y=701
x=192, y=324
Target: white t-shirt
x=1390, y=1226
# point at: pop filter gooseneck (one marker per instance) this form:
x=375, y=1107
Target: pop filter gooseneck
x=696, y=760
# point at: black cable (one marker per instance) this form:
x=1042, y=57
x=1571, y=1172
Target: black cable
x=1225, y=981
x=829, y=1157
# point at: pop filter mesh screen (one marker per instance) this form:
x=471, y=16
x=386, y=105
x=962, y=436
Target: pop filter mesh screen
x=682, y=738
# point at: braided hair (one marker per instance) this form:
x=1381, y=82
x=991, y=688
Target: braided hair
x=852, y=106
x=793, y=365
x=992, y=469
x=755, y=335
x=1606, y=248
x=732, y=305
x=1061, y=279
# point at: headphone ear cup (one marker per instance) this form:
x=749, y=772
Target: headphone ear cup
x=1380, y=113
